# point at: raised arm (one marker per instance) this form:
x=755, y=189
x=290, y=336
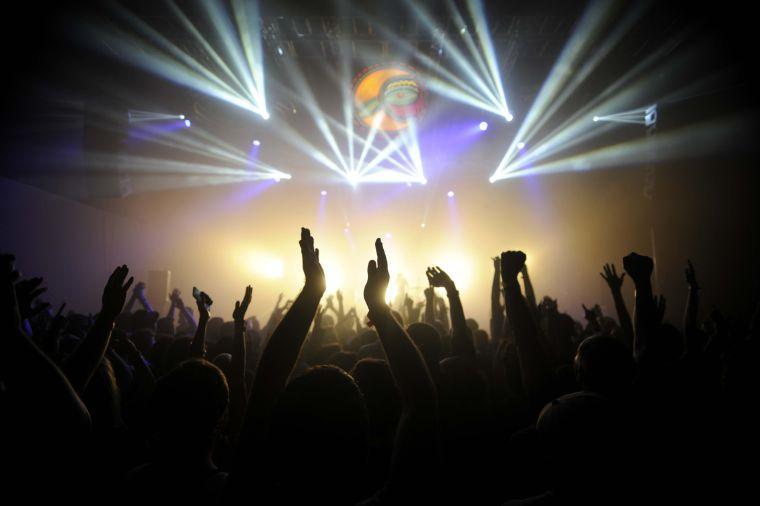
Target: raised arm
x=461, y=339
x=417, y=434
x=238, y=395
x=530, y=294
x=429, y=305
x=615, y=283
x=42, y=391
x=172, y=306
x=534, y=364
x=198, y=345
x=282, y=350
x=81, y=364
x=497, y=310
x=639, y=268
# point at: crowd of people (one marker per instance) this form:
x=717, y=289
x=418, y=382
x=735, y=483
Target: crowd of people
x=412, y=404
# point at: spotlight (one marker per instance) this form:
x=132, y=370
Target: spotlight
x=277, y=180
x=388, y=235
x=520, y=145
x=450, y=194
x=596, y=118
x=323, y=192
x=256, y=142
x=463, y=30
x=188, y=124
x=483, y=126
x=181, y=116
x=509, y=117
x=280, y=50
x=265, y=115
x=423, y=225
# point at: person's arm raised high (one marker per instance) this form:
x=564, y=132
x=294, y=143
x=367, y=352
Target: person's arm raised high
x=281, y=353
x=534, y=363
x=639, y=268
x=85, y=359
x=461, y=340
x=417, y=434
x=238, y=394
x=615, y=283
x=44, y=396
x=497, y=310
x=198, y=345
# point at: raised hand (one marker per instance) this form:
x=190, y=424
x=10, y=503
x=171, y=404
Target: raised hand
x=238, y=315
x=610, y=275
x=512, y=263
x=139, y=288
x=377, y=280
x=312, y=269
x=589, y=313
x=429, y=293
x=496, y=264
x=437, y=277
x=203, y=301
x=339, y=296
x=638, y=267
x=691, y=276
x=27, y=290
x=115, y=293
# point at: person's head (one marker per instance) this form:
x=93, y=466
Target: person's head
x=178, y=352
x=223, y=361
x=366, y=336
x=188, y=406
x=373, y=376
x=165, y=325
x=428, y=341
x=343, y=359
x=604, y=365
x=143, y=319
x=582, y=436
x=481, y=339
x=144, y=340
x=472, y=324
x=667, y=346
x=319, y=428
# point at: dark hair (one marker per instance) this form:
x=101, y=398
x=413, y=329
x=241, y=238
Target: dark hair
x=189, y=403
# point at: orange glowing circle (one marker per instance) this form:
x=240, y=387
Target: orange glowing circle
x=388, y=96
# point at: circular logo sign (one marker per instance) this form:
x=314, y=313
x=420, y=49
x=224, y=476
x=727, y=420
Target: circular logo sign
x=389, y=96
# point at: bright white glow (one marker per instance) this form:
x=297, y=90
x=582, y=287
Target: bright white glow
x=388, y=235
x=596, y=118
x=323, y=192
x=256, y=142
x=520, y=145
x=509, y=117
x=280, y=51
x=450, y=194
x=265, y=115
x=483, y=126
x=463, y=30
x=459, y=267
x=422, y=226
x=188, y=124
x=265, y=265
x=181, y=116
x=333, y=274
